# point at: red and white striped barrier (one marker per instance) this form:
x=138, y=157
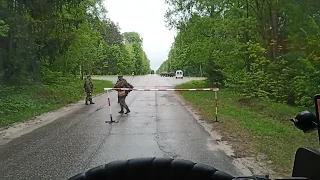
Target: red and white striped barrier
x=109, y=103
x=163, y=89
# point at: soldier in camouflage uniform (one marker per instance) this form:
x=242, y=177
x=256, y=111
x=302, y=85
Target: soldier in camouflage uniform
x=122, y=83
x=88, y=87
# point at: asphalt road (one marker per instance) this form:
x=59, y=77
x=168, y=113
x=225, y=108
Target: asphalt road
x=158, y=125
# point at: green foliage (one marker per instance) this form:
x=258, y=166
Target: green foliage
x=268, y=50
x=71, y=37
x=142, y=63
x=3, y=28
x=22, y=102
x=263, y=125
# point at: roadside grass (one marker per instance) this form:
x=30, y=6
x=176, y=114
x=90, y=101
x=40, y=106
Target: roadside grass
x=19, y=103
x=253, y=127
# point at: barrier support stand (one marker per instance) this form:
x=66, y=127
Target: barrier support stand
x=216, y=99
x=110, y=112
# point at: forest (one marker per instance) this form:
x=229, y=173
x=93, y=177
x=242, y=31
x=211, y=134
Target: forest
x=268, y=49
x=47, y=47
x=44, y=40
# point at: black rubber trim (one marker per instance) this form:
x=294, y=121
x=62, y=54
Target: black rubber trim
x=153, y=169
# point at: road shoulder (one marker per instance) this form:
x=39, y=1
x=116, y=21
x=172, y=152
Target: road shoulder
x=16, y=130
x=246, y=165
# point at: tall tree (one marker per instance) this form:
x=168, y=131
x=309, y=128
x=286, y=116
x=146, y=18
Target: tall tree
x=265, y=49
x=43, y=39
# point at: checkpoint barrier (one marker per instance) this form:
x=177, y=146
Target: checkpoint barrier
x=163, y=89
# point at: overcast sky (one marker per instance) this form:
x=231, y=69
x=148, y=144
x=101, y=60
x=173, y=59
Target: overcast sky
x=147, y=18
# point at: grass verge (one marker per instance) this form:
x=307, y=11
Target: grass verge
x=19, y=103
x=252, y=126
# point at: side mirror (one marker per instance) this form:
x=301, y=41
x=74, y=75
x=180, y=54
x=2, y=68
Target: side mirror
x=305, y=121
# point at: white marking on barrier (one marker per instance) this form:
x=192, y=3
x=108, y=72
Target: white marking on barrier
x=110, y=112
x=135, y=89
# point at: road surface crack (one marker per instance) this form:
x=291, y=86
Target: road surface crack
x=170, y=154
x=162, y=148
x=98, y=147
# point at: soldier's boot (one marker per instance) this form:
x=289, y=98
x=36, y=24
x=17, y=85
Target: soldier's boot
x=86, y=102
x=121, y=111
x=91, y=101
x=128, y=111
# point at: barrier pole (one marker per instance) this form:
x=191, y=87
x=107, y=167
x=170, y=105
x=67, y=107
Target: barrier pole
x=110, y=112
x=149, y=89
x=216, y=98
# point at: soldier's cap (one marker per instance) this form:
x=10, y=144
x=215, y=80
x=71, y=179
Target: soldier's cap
x=120, y=76
x=88, y=76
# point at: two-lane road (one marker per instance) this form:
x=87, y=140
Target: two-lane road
x=158, y=125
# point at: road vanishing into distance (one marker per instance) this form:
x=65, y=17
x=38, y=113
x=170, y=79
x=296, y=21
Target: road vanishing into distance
x=159, y=125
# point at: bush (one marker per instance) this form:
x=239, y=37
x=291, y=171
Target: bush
x=25, y=101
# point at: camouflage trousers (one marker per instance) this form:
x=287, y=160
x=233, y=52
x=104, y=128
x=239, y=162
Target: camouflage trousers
x=122, y=101
x=88, y=97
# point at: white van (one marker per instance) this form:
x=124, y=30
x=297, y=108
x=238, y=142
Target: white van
x=179, y=74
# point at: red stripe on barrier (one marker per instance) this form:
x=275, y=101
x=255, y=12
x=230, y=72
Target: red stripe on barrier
x=109, y=101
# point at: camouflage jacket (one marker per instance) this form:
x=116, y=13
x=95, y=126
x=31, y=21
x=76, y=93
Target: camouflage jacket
x=117, y=82
x=121, y=84
x=88, y=86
